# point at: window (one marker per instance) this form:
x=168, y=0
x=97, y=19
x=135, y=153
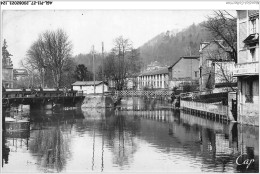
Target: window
x=252, y=53
x=196, y=73
x=208, y=63
x=253, y=26
x=249, y=94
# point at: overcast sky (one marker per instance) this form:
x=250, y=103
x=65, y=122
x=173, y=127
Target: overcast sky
x=90, y=27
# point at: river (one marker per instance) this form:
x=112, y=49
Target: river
x=139, y=136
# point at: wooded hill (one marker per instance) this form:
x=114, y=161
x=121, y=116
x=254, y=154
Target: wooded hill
x=167, y=48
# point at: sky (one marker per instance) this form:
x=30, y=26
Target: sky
x=92, y=27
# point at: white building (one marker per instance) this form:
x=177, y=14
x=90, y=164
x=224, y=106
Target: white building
x=247, y=67
x=89, y=87
x=154, y=79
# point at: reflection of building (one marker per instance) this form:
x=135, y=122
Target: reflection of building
x=246, y=69
x=215, y=67
x=248, y=142
x=15, y=136
x=7, y=67
x=88, y=86
x=184, y=71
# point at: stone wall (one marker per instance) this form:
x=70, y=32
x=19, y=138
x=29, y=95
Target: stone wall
x=97, y=101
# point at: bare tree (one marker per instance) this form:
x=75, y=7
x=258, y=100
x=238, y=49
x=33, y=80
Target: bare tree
x=35, y=60
x=224, y=26
x=135, y=63
x=50, y=54
x=118, y=60
x=57, y=49
x=34, y=78
x=221, y=71
x=122, y=63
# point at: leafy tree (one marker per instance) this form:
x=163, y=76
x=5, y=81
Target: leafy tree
x=87, y=60
x=81, y=72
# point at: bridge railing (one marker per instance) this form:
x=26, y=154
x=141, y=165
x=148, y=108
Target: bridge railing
x=18, y=93
x=139, y=93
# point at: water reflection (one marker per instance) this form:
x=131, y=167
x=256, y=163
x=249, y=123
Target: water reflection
x=50, y=147
x=144, y=137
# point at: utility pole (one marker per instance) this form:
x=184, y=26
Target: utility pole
x=94, y=69
x=102, y=69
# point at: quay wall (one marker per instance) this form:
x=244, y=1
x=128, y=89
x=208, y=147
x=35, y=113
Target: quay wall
x=216, y=109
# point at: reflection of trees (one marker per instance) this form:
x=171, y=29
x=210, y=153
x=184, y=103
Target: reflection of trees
x=51, y=147
x=120, y=135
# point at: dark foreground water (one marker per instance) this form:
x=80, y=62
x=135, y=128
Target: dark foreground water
x=146, y=138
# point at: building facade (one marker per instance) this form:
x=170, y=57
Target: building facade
x=7, y=68
x=184, y=71
x=247, y=67
x=216, y=68
x=88, y=87
x=153, y=79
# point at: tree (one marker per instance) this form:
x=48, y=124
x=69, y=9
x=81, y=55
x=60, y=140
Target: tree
x=35, y=61
x=121, y=47
x=50, y=54
x=224, y=26
x=122, y=63
x=220, y=73
x=68, y=77
x=116, y=65
x=81, y=72
x=135, y=64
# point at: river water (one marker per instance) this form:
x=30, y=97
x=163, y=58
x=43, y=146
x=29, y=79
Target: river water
x=138, y=136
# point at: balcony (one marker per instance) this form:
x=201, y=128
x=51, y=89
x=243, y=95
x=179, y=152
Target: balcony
x=248, y=68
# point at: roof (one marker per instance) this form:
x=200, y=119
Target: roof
x=184, y=57
x=86, y=83
x=252, y=38
x=218, y=42
x=155, y=72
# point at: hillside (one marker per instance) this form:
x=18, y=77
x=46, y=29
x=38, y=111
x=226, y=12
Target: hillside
x=167, y=47
x=87, y=60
